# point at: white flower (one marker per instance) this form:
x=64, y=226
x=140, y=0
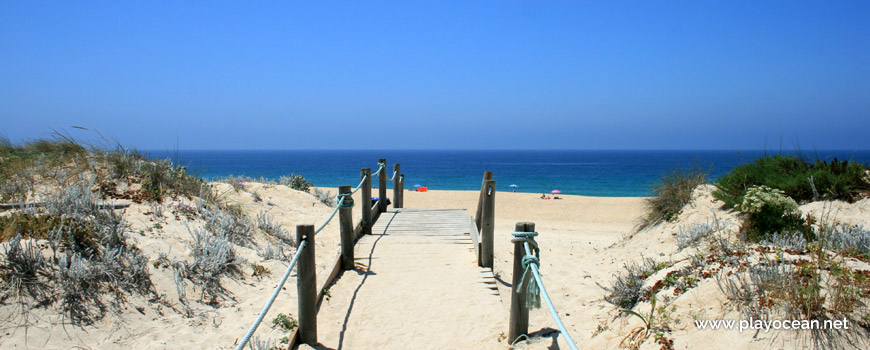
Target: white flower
x=757, y=197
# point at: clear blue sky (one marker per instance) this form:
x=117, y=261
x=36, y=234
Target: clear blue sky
x=442, y=75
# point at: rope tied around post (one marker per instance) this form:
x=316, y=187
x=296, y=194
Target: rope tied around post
x=381, y=166
x=533, y=293
x=344, y=200
x=531, y=284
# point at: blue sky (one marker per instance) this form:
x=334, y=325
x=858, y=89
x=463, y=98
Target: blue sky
x=440, y=74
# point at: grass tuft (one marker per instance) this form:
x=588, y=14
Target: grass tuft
x=626, y=288
x=326, y=198
x=695, y=234
x=229, y=223
x=672, y=193
x=24, y=269
x=213, y=258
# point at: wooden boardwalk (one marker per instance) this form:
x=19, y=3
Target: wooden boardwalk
x=421, y=263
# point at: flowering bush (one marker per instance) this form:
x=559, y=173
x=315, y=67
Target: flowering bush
x=757, y=197
x=187, y=210
x=770, y=211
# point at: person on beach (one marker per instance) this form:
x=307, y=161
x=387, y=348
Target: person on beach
x=543, y=196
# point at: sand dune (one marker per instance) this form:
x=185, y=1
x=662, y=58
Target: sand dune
x=584, y=241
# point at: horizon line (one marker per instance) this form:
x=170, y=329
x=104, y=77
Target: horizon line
x=510, y=149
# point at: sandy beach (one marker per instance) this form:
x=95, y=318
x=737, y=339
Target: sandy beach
x=697, y=174
x=584, y=241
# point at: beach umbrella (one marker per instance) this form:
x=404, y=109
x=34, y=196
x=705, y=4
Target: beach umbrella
x=512, y=185
x=418, y=185
x=555, y=191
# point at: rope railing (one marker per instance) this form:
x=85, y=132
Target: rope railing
x=534, y=291
x=361, y=182
x=340, y=204
x=272, y=299
x=381, y=166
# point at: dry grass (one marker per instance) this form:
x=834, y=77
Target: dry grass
x=672, y=193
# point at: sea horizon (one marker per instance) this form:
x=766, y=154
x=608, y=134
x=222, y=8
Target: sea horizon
x=600, y=173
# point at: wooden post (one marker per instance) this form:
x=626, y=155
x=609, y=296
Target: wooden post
x=397, y=186
x=382, y=186
x=487, y=224
x=345, y=218
x=366, y=205
x=306, y=286
x=400, y=197
x=519, y=322
x=487, y=175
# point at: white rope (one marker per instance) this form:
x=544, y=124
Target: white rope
x=256, y=324
x=272, y=299
x=546, y=298
x=381, y=166
x=337, y=206
x=394, y=175
x=360, y=185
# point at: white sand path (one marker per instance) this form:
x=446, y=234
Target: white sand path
x=418, y=287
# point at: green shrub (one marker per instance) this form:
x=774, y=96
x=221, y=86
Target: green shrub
x=770, y=211
x=284, y=322
x=296, y=182
x=672, y=193
x=801, y=180
x=80, y=235
x=160, y=178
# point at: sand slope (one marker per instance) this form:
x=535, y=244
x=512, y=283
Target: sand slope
x=583, y=240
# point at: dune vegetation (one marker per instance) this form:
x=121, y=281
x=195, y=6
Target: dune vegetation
x=65, y=241
x=768, y=252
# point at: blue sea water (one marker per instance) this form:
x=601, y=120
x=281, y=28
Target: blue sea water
x=589, y=173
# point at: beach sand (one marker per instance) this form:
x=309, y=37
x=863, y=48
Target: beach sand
x=571, y=230
x=584, y=241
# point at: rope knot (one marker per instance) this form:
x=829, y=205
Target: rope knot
x=527, y=237
x=344, y=200
x=532, y=257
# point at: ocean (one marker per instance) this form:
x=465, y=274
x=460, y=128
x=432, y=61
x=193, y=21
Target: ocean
x=588, y=173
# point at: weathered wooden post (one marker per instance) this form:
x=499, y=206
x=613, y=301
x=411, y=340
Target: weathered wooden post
x=382, y=185
x=400, y=197
x=487, y=175
x=487, y=224
x=345, y=218
x=397, y=186
x=519, y=322
x=366, y=207
x=306, y=286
